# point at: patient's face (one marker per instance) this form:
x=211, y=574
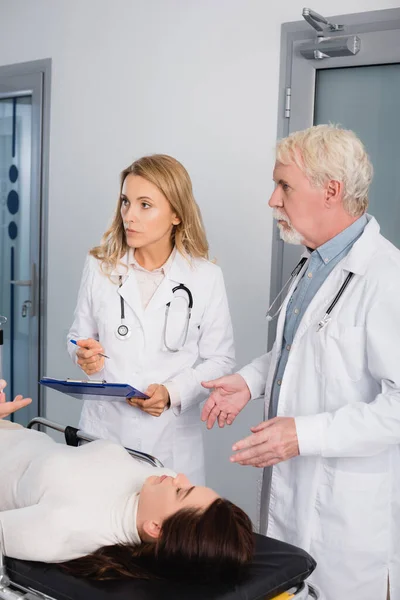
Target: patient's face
x=161, y=497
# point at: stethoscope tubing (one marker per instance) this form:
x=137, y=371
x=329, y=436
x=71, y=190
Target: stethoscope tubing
x=325, y=320
x=124, y=331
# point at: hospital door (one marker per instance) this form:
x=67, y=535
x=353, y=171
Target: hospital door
x=20, y=231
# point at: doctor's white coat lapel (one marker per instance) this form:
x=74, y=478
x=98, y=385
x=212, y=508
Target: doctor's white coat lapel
x=180, y=271
x=282, y=315
x=129, y=290
x=355, y=262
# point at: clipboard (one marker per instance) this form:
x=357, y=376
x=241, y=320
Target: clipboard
x=92, y=390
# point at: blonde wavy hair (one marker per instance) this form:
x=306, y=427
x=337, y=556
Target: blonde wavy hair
x=327, y=152
x=172, y=179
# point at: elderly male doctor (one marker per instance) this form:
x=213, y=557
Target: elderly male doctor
x=332, y=393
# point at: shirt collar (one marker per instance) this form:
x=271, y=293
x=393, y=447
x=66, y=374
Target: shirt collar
x=336, y=245
x=163, y=269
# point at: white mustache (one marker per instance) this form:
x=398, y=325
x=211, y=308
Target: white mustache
x=278, y=216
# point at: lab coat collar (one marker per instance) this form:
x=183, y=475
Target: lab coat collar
x=357, y=260
x=180, y=271
x=364, y=248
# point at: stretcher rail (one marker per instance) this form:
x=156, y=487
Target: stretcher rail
x=86, y=437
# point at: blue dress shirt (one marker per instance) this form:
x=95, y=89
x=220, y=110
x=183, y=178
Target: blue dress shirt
x=322, y=262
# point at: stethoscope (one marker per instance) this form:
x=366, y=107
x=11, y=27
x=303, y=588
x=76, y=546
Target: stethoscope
x=124, y=331
x=327, y=317
x=189, y=301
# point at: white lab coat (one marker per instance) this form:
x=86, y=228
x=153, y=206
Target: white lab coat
x=340, y=499
x=176, y=436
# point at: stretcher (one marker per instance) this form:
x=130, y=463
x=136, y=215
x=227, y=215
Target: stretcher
x=278, y=572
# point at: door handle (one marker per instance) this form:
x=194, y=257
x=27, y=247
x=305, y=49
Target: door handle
x=32, y=282
x=27, y=305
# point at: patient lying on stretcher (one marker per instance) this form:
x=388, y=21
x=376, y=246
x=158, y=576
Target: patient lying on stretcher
x=108, y=515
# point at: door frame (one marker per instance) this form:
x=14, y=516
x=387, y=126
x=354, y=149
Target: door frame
x=35, y=78
x=292, y=34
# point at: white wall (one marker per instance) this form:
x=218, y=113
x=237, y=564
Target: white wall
x=197, y=79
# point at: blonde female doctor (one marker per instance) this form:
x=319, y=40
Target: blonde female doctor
x=156, y=307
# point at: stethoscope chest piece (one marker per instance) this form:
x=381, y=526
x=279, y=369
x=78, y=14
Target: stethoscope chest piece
x=123, y=332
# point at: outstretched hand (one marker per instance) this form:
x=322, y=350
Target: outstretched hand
x=6, y=408
x=271, y=442
x=229, y=396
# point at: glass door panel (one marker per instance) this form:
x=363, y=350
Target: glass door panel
x=15, y=259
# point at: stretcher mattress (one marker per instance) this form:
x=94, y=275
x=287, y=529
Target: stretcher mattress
x=276, y=568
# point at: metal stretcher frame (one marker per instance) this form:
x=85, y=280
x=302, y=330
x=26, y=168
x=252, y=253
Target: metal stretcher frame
x=86, y=437
x=11, y=590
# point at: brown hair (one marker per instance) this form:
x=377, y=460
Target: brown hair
x=204, y=546
x=172, y=179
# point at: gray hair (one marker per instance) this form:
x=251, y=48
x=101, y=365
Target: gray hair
x=327, y=152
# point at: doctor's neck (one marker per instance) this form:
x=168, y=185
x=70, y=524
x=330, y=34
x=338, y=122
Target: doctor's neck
x=153, y=256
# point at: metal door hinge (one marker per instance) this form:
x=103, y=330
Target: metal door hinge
x=288, y=102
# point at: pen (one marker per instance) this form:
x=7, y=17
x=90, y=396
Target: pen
x=99, y=353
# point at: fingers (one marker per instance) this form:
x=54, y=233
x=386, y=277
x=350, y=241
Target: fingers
x=211, y=410
x=153, y=387
x=19, y=402
x=156, y=395
x=92, y=367
x=212, y=417
x=207, y=408
x=217, y=408
x=3, y=384
x=132, y=401
x=254, y=455
x=266, y=460
x=89, y=343
x=262, y=426
x=255, y=439
x=154, y=411
x=230, y=418
x=6, y=408
x=88, y=355
x=222, y=419
x=213, y=383
x=155, y=404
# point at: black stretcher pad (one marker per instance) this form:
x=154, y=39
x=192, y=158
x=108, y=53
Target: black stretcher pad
x=276, y=568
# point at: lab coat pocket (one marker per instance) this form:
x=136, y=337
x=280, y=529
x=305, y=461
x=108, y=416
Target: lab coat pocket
x=340, y=352
x=352, y=508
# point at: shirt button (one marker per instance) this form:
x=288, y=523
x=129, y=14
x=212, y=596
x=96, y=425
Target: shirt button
x=309, y=275
x=288, y=347
x=279, y=382
x=326, y=260
x=296, y=311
